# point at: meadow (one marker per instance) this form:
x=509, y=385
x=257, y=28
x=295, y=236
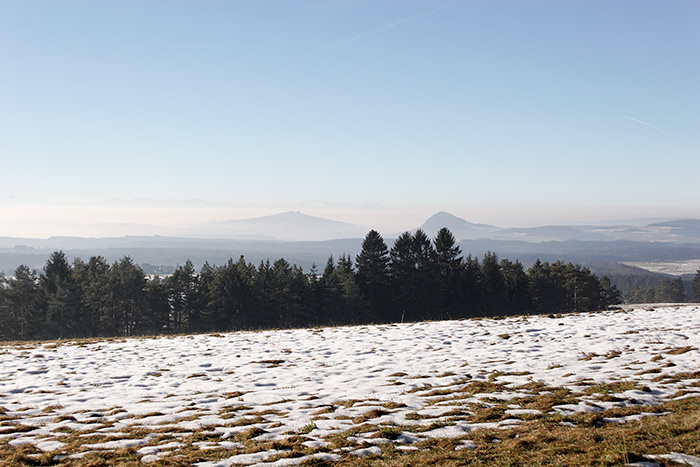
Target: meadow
x=616, y=387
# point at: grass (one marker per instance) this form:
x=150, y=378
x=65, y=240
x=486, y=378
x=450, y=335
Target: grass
x=542, y=436
x=547, y=442
x=544, y=439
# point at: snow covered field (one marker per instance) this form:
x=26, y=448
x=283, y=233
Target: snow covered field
x=228, y=395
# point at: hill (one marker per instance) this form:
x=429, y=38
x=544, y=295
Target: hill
x=589, y=387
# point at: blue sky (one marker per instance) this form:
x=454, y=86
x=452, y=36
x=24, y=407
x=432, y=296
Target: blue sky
x=508, y=112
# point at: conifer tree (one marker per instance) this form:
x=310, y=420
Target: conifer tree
x=128, y=300
x=670, y=291
x=157, y=317
x=414, y=272
x=450, y=271
x=92, y=280
x=517, y=294
x=402, y=273
x=182, y=290
x=7, y=320
x=373, y=274
x=26, y=304
x=61, y=296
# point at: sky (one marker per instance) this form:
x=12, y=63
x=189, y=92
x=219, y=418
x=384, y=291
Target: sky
x=378, y=113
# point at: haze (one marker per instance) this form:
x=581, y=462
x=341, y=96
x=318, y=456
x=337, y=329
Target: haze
x=379, y=114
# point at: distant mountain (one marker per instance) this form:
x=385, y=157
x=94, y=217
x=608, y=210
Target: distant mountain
x=676, y=231
x=460, y=228
x=684, y=229
x=287, y=226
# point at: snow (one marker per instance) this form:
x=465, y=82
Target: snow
x=331, y=379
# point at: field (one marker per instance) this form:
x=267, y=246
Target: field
x=608, y=388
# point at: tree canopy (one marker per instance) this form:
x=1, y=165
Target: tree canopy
x=416, y=279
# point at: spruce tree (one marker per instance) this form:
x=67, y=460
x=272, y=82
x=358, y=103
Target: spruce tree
x=62, y=297
x=450, y=271
x=128, y=299
x=373, y=274
x=492, y=285
x=517, y=292
x=670, y=291
x=402, y=272
x=26, y=305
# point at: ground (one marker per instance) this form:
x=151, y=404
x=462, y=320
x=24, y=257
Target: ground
x=608, y=388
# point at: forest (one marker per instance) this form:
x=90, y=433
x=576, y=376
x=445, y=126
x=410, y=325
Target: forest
x=417, y=279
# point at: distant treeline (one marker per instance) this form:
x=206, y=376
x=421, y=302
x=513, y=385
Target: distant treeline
x=417, y=279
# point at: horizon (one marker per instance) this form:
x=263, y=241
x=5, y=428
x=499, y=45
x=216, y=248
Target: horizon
x=378, y=114
x=150, y=217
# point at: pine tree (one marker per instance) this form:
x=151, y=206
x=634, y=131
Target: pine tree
x=413, y=271
x=696, y=287
x=26, y=305
x=517, y=293
x=182, y=290
x=544, y=292
x=469, y=296
x=610, y=295
x=61, y=296
x=402, y=270
x=351, y=309
x=128, y=300
x=450, y=271
x=92, y=280
x=670, y=291
x=426, y=281
x=157, y=316
x=492, y=284
x=373, y=274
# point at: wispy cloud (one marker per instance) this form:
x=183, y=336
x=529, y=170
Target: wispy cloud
x=386, y=27
x=647, y=124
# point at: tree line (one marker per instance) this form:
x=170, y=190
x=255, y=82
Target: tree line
x=664, y=290
x=416, y=279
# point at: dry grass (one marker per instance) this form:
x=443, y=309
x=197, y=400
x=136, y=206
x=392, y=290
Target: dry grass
x=546, y=439
x=547, y=442
x=680, y=350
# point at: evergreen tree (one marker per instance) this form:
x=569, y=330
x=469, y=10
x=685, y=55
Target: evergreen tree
x=402, y=272
x=450, y=267
x=287, y=294
x=7, y=319
x=157, y=317
x=696, y=287
x=448, y=252
x=182, y=290
x=414, y=274
x=610, y=295
x=237, y=297
x=201, y=301
x=516, y=287
x=351, y=309
x=128, y=300
x=26, y=310
x=373, y=275
x=469, y=299
x=426, y=280
x=642, y=293
x=670, y=291
x=92, y=281
x=492, y=284
x=546, y=295
x=329, y=298
x=61, y=296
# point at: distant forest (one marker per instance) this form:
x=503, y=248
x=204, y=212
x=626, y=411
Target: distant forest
x=417, y=279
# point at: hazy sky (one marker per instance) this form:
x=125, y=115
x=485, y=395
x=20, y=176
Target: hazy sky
x=373, y=112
